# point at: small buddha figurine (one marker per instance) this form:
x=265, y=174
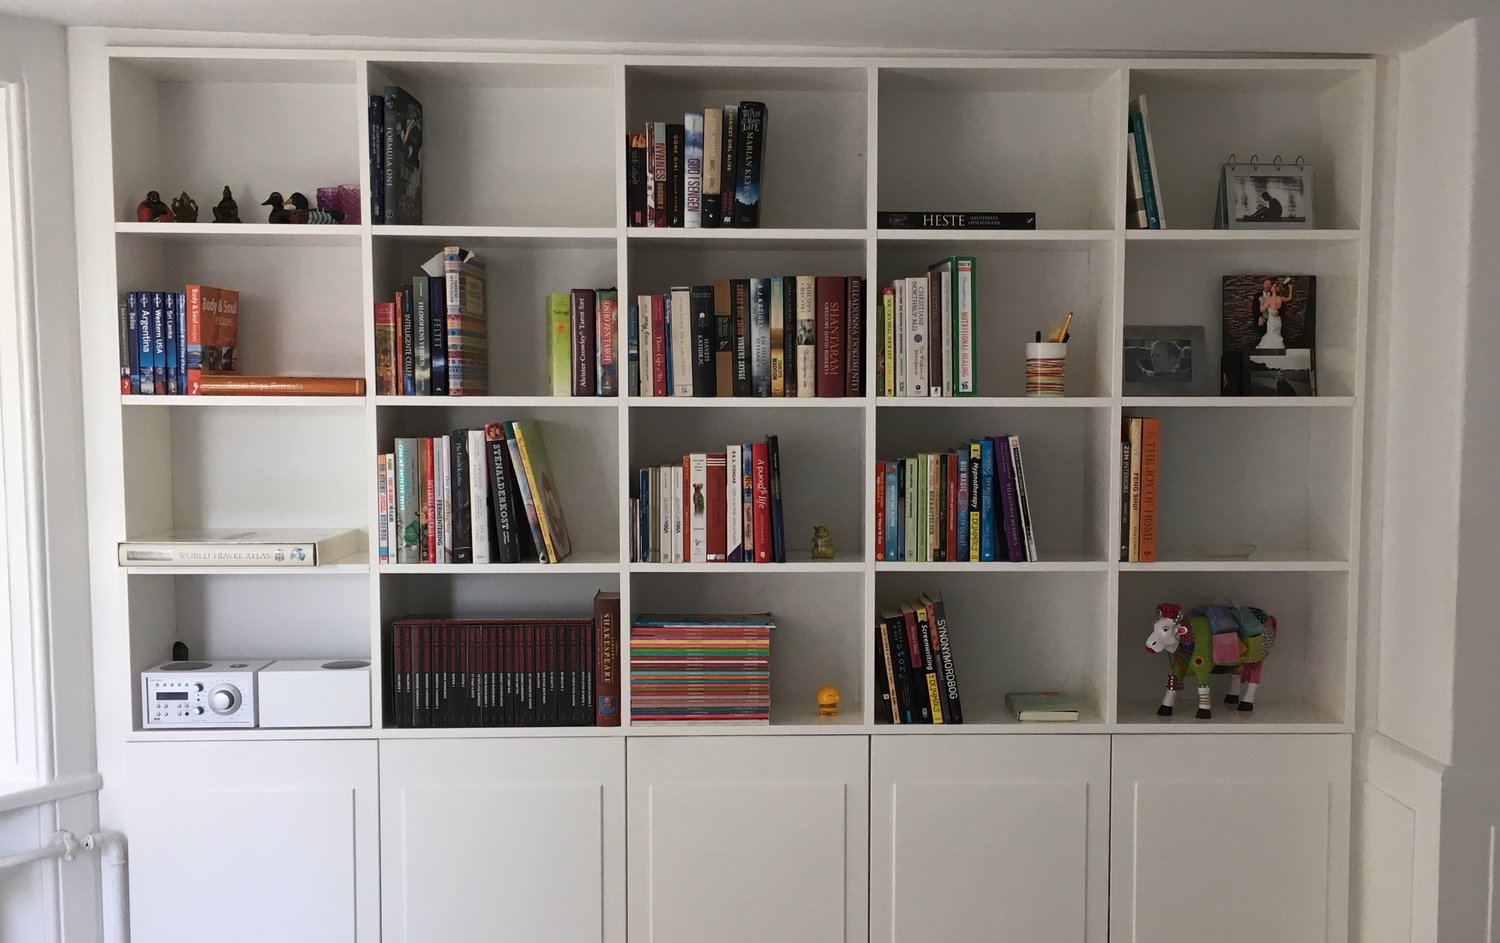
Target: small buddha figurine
x=828, y=701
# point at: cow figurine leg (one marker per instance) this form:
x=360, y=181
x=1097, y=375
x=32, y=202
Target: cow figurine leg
x=1233, y=697
x=1169, y=698
x=1251, y=675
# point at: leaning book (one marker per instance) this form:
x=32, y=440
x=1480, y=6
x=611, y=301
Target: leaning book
x=241, y=548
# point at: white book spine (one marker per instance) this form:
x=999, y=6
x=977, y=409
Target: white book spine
x=479, y=497
x=677, y=485
x=442, y=487
x=733, y=538
x=807, y=356
x=916, y=318
x=697, y=507
x=947, y=387
x=644, y=343
x=964, y=335
x=692, y=170
x=664, y=519
x=902, y=340
x=682, y=343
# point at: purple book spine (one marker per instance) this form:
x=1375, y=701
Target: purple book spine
x=1009, y=508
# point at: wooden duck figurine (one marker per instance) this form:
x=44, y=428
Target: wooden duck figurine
x=303, y=212
x=153, y=210
x=280, y=208
x=227, y=211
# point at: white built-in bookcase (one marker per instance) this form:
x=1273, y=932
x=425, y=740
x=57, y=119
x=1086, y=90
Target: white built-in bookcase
x=523, y=163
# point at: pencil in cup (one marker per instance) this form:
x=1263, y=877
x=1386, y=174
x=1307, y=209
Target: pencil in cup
x=1046, y=369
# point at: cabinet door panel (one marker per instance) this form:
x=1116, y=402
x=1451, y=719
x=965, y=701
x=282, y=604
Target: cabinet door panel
x=747, y=839
x=1255, y=826
x=259, y=841
x=499, y=840
x=974, y=836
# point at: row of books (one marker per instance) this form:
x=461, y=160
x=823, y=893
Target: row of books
x=1140, y=443
x=170, y=339
x=432, y=339
x=914, y=674
x=1144, y=211
x=472, y=496
x=781, y=336
x=925, y=332
x=701, y=669
x=395, y=158
x=505, y=672
x=964, y=505
x=581, y=329
x=703, y=173
x=719, y=507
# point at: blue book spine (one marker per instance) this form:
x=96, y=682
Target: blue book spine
x=986, y=500
x=377, y=159
x=892, y=512
x=145, y=378
x=643, y=509
x=437, y=333
x=1142, y=156
x=169, y=338
x=159, y=341
x=666, y=320
x=760, y=336
x=133, y=340
x=1010, y=508
x=181, y=301
x=633, y=353
x=961, y=510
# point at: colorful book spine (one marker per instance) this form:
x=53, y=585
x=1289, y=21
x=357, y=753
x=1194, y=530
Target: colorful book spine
x=169, y=341
x=408, y=341
x=961, y=508
x=1125, y=458
x=608, y=316
x=829, y=338
x=179, y=312
x=559, y=344
x=159, y=342
x=606, y=675
x=986, y=500
x=1010, y=508
x=747, y=500
x=528, y=494
x=1136, y=453
x=740, y=299
x=636, y=180
x=692, y=170
x=917, y=291
x=940, y=304
x=421, y=328
x=976, y=500
x=964, y=383
x=892, y=522
x=760, y=336
x=408, y=502
x=716, y=476
x=695, y=496
x=761, y=483
x=584, y=358
x=656, y=143
x=633, y=352
x=383, y=499
x=779, y=299
x=437, y=339
x=880, y=510
x=659, y=346
x=468, y=329
x=1142, y=158
x=132, y=379
x=734, y=519
x=676, y=177
x=1150, y=457
x=854, y=334
x=950, y=505
x=750, y=147
x=428, y=512
x=385, y=348
x=953, y=711
x=393, y=536
x=888, y=365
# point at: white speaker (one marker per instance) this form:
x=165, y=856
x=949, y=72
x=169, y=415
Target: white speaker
x=316, y=692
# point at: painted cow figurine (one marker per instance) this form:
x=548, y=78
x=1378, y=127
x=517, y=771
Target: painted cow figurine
x=1212, y=640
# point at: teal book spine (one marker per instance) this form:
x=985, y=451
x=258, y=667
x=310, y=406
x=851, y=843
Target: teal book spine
x=987, y=500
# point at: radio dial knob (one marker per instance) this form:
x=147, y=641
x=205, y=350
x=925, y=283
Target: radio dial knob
x=224, y=699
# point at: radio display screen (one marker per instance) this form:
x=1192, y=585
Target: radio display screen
x=171, y=695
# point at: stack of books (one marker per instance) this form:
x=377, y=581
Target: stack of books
x=581, y=328
x=432, y=339
x=472, y=496
x=701, y=669
x=175, y=343
x=703, y=173
x=964, y=505
x=925, y=332
x=395, y=158
x=544, y=672
x=1144, y=209
x=780, y=336
x=914, y=673
x=1140, y=444
x=717, y=507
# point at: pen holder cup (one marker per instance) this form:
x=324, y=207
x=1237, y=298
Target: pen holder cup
x=1046, y=369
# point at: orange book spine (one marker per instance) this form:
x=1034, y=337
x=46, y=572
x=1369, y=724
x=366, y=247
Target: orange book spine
x=1150, y=449
x=235, y=385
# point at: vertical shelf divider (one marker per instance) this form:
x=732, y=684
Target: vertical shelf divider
x=866, y=645
x=622, y=403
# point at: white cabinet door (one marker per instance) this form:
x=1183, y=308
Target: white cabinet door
x=1233, y=838
x=745, y=839
x=252, y=841
x=989, y=838
x=491, y=840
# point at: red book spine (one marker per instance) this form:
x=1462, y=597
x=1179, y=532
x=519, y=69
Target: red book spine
x=429, y=503
x=880, y=510
x=854, y=333
x=761, y=471
x=687, y=509
x=922, y=708
x=828, y=337
x=718, y=512
x=950, y=538
x=659, y=343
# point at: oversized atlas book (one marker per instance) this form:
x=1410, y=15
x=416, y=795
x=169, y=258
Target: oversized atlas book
x=228, y=547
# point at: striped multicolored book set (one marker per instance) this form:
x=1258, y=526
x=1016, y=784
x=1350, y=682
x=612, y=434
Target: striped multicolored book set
x=701, y=669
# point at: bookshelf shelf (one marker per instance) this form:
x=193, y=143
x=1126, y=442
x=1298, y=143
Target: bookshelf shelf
x=853, y=135
x=242, y=402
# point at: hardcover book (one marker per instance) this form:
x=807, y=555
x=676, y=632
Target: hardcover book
x=701, y=310
x=607, y=664
x=635, y=179
x=584, y=352
x=607, y=316
x=377, y=159
x=213, y=323
x=421, y=327
x=510, y=535
x=692, y=170
x=1042, y=706
x=403, y=158
x=223, y=547
x=923, y=219
x=713, y=164
x=238, y=385
x=830, y=299
x=760, y=336
x=779, y=297
x=559, y=344
x=385, y=349
x=408, y=502
x=538, y=473
x=750, y=148
x=527, y=493
x=806, y=336
x=463, y=275
x=676, y=175
x=723, y=338
x=656, y=142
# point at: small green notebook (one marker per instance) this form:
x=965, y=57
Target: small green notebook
x=1042, y=706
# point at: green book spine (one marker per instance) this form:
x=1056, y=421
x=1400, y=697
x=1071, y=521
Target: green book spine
x=559, y=343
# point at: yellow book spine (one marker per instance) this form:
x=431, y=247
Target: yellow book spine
x=935, y=696
x=888, y=302
x=973, y=515
x=536, y=495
